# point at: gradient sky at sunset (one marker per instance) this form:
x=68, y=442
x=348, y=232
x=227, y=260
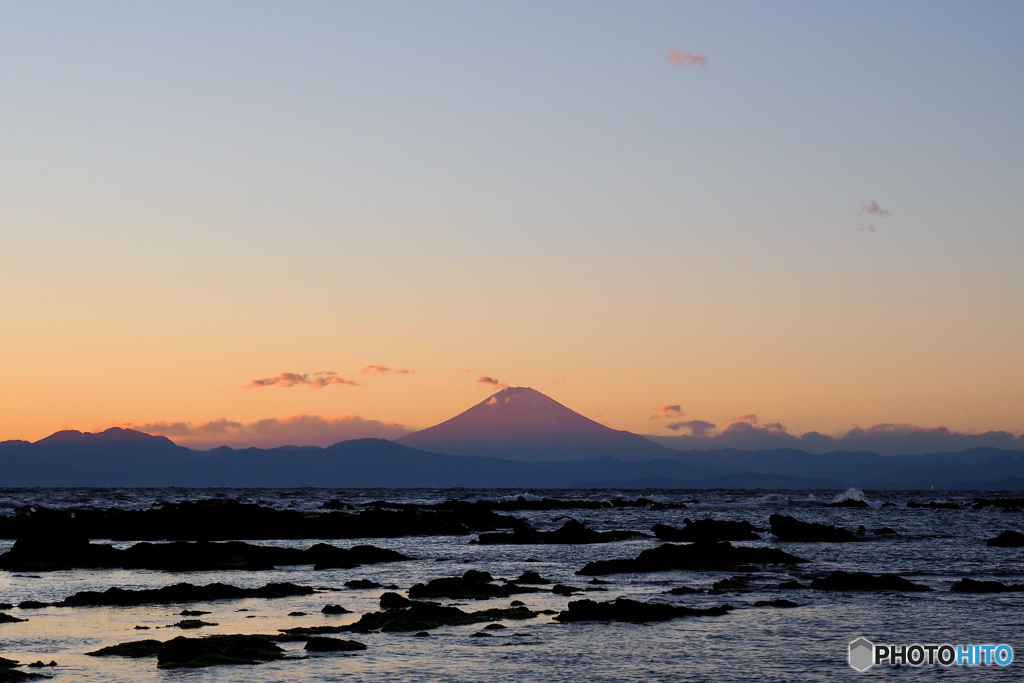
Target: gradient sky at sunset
x=806, y=212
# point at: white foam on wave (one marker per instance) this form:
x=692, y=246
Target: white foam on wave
x=856, y=494
x=511, y=498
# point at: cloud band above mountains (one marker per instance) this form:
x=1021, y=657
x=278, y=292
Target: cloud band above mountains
x=298, y=430
x=887, y=439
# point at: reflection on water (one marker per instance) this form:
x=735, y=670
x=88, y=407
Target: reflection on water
x=936, y=547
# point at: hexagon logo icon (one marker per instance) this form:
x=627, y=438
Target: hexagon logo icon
x=862, y=654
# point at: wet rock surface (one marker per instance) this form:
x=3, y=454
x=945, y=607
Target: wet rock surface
x=862, y=581
x=786, y=528
x=1007, y=539
x=45, y=553
x=179, y=593
x=976, y=586
x=714, y=556
x=633, y=611
x=473, y=585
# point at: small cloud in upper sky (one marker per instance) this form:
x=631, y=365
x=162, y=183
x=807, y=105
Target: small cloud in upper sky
x=872, y=209
x=490, y=381
x=292, y=379
x=670, y=410
x=381, y=370
x=677, y=58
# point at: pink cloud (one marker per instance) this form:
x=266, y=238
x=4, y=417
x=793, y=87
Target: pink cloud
x=297, y=430
x=292, y=379
x=695, y=427
x=490, y=381
x=873, y=209
x=382, y=370
x=677, y=58
x=665, y=411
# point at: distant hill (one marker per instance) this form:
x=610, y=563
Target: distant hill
x=545, y=445
x=519, y=423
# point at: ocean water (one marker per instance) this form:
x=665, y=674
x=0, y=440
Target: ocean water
x=809, y=642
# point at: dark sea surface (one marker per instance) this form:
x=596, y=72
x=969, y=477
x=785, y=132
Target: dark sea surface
x=935, y=547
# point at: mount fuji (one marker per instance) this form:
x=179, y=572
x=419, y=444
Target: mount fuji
x=519, y=423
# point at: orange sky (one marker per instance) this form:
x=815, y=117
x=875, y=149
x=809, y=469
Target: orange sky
x=542, y=196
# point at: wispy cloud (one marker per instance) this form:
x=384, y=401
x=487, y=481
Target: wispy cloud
x=668, y=411
x=297, y=430
x=694, y=427
x=293, y=379
x=869, y=210
x=382, y=370
x=677, y=58
x=888, y=439
x=491, y=382
x=873, y=209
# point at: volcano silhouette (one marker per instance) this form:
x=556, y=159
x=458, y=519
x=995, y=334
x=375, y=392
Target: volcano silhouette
x=520, y=423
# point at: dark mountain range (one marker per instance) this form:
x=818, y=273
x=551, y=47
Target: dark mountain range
x=519, y=423
x=546, y=446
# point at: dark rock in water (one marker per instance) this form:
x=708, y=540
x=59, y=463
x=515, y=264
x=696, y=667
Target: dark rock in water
x=481, y=634
x=1007, y=539
x=683, y=590
x=181, y=592
x=933, y=505
x=861, y=581
x=706, y=530
x=5, y=605
x=191, y=613
x=495, y=627
x=34, y=604
x=708, y=556
x=787, y=528
x=362, y=584
x=8, y=619
x=562, y=589
x=888, y=504
x=782, y=602
x=423, y=616
x=632, y=611
x=422, y=634
x=735, y=583
x=1005, y=504
x=570, y=533
x=141, y=628
x=135, y=648
x=193, y=623
x=62, y=531
x=975, y=586
x=298, y=614
x=516, y=603
x=394, y=601
x=473, y=585
x=322, y=644
x=791, y=585
x=334, y=609
x=862, y=530
x=885, y=531
x=301, y=632
x=36, y=555
x=39, y=664
x=848, y=503
x=217, y=650
x=599, y=582
x=531, y=578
